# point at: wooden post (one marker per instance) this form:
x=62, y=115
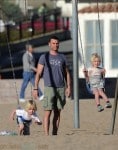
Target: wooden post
x=114, y=109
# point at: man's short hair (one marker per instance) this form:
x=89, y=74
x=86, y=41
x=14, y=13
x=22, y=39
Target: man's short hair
x=54, y=37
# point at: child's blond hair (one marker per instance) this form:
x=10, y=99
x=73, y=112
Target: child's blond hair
x=31, y=105
x=94, y=56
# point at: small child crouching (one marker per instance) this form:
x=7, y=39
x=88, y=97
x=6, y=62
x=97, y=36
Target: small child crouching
x=24, y=117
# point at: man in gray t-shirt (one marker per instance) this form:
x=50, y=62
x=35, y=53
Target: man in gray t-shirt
x=57, y=82
x=54, y=69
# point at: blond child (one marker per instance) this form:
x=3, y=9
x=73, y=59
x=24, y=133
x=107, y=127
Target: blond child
x=24, y=117
x=95, y=76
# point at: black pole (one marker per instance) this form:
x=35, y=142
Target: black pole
x=8, y=31
x=114, y=109
x=32, y=26
x=55, y=19
x=43, y=16
x=20, y=30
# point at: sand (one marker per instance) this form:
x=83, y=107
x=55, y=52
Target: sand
x=93, y=133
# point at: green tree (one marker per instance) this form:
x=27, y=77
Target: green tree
x=11, y=11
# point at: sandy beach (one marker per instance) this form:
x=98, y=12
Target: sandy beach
x=92, y=134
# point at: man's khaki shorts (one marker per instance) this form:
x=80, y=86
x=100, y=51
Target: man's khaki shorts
x=54, y=98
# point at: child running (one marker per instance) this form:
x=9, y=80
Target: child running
x=95, y=76
x=24, y=117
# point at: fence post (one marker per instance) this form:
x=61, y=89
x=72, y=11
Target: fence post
x=32, y=26
x=44, y=22
x=55, y=19
x=67, y=23
x=20, y=30
x=8, y=31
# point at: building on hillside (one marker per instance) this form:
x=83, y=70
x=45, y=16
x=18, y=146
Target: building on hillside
x=26, y=5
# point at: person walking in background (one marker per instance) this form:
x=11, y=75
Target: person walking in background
x=95, y=76
x=25, y=117
x=29, y=71
x=43, y=9
x=57, y=84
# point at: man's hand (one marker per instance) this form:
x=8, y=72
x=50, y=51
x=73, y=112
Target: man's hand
x=35, y=93
x=68, y=92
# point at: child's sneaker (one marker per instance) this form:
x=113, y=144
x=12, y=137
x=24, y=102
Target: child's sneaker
x=108, y=105
x=22, y=100
x=41, y=97
x=100, y=108
x=39, y=123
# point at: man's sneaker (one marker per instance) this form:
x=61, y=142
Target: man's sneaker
x=22, y=100
x=100, y=108
x=39, y=123
x=41, y=97
x=108, y=105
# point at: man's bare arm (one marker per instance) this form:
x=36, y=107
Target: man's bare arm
x=68, y=83
x=37, y=79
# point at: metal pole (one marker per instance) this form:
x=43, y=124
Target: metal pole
x=114, y=109
x=75, y=62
